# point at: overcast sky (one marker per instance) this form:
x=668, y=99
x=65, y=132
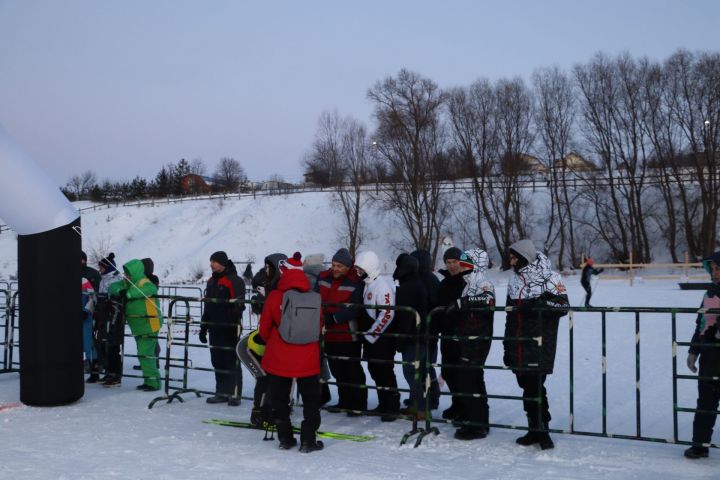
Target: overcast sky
x=124, y=87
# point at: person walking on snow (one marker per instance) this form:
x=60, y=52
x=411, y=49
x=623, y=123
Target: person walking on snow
x=586, y=278
x=705, y=344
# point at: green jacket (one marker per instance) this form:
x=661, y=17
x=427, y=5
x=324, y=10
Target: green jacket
x=142, y=310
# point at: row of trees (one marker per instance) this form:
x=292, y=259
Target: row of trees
x=648, y=126
x=227, y=177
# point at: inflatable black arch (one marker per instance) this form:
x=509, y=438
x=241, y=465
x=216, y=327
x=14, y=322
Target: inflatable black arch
x=49, y=243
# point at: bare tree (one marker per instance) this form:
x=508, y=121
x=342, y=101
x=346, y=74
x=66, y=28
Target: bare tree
x=410, y=138
x=197, y=166
x=81, y=185
x=554, y=118
x=228, y=175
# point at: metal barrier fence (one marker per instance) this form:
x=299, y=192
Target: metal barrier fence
x=649, y=395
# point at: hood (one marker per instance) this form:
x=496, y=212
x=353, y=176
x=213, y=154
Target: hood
x=370, y=263
x=407, y=266
x=135, y=270
x=526, y=249
x=424, y=260
x=274, y=260
x=293, y=279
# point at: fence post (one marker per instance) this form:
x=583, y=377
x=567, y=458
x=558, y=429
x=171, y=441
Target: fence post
x=632, y=272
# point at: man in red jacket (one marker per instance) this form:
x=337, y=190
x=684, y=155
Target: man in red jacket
x=284, y=361
x=340, y=284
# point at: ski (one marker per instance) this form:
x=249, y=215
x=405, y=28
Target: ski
x=8, y=406
x=333, y=435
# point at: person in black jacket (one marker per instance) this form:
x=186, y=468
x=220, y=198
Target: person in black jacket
x=223, y=321
x=531, y=334
x=444, y=323
x=411, y=293
x=432, y=284
x=474, y=326
x=587, y=272
x=705, y=344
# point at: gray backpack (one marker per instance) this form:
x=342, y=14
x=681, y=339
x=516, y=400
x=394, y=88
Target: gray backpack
x=300, y=321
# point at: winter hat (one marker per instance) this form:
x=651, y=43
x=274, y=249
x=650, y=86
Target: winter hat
x=343, y=256
x=220, y=257
x=108, y=263
x=83, y=255
x=590, y=262
x=294, y=263
x=714, y=258
x=466, y=260
x=314, y=259
x=453, y=253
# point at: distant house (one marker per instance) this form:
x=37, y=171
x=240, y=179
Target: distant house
x=192, y=183
x=574, y=162
x=522, y=164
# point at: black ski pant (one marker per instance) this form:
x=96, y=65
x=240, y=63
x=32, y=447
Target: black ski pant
x=349, y=372
x=588, y=293
x=450, y=352
x=471, y=380
x=228, y=373
x=383, y=372
x=708, y=400
x=113, y=360
x=533, y=386
x=309, y=389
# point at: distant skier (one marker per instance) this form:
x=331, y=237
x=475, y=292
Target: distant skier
x=705, y=343
x=587, y=272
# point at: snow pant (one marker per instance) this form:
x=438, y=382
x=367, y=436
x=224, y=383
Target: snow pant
x=533, y=386
x=348, y=371
x=113, y=361
x=588, y=293
x=471, y=380
x=146, y=350
x=309, y=389
x=417, y=388
x=450, y=352
x=88, y=340
x=708, y=400
x=383, y=372
x=228, y=372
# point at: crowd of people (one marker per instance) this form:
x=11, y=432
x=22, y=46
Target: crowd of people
x=363, y=316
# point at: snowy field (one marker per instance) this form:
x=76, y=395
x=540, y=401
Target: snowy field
x=111, y=433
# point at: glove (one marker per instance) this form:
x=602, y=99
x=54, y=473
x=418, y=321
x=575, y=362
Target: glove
x=203, y=335
x=691, y=359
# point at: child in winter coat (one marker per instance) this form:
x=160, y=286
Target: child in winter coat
x=705, y=344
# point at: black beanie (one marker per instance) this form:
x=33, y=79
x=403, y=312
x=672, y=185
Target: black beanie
x=452, y=253
x=220, y=257
x=83, y=255
x=343, y=256
x=108, y=263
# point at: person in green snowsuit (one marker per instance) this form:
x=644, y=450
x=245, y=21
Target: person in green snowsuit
x=142, y=312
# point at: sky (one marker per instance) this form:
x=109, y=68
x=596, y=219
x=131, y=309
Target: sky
x=123, y=88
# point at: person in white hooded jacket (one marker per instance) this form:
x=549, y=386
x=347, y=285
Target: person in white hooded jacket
x=379, y=349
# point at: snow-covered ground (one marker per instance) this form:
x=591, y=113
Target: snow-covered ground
x=111, y=433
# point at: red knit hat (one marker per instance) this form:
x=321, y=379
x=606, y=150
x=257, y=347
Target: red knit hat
x=294, y=263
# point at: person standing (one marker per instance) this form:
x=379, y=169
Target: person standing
x=284, y=361
x=88, y=272
x=223, y=321
x=445, y=322
x=474, y=326
x=88, y=306
x=705, y=344
x=340, y=284
x=533, y=287
x=379, y=349
x=109, y=323
x=142, y=312
x=586, y=277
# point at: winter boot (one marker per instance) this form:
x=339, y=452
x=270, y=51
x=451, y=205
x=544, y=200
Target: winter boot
x=451, y=413
x=217, y=399
x=285, y=435
x=696, y=452
x=94, y=372
x=528, y=439
x=234, y=401
x=311, y=446
x=470, y=433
